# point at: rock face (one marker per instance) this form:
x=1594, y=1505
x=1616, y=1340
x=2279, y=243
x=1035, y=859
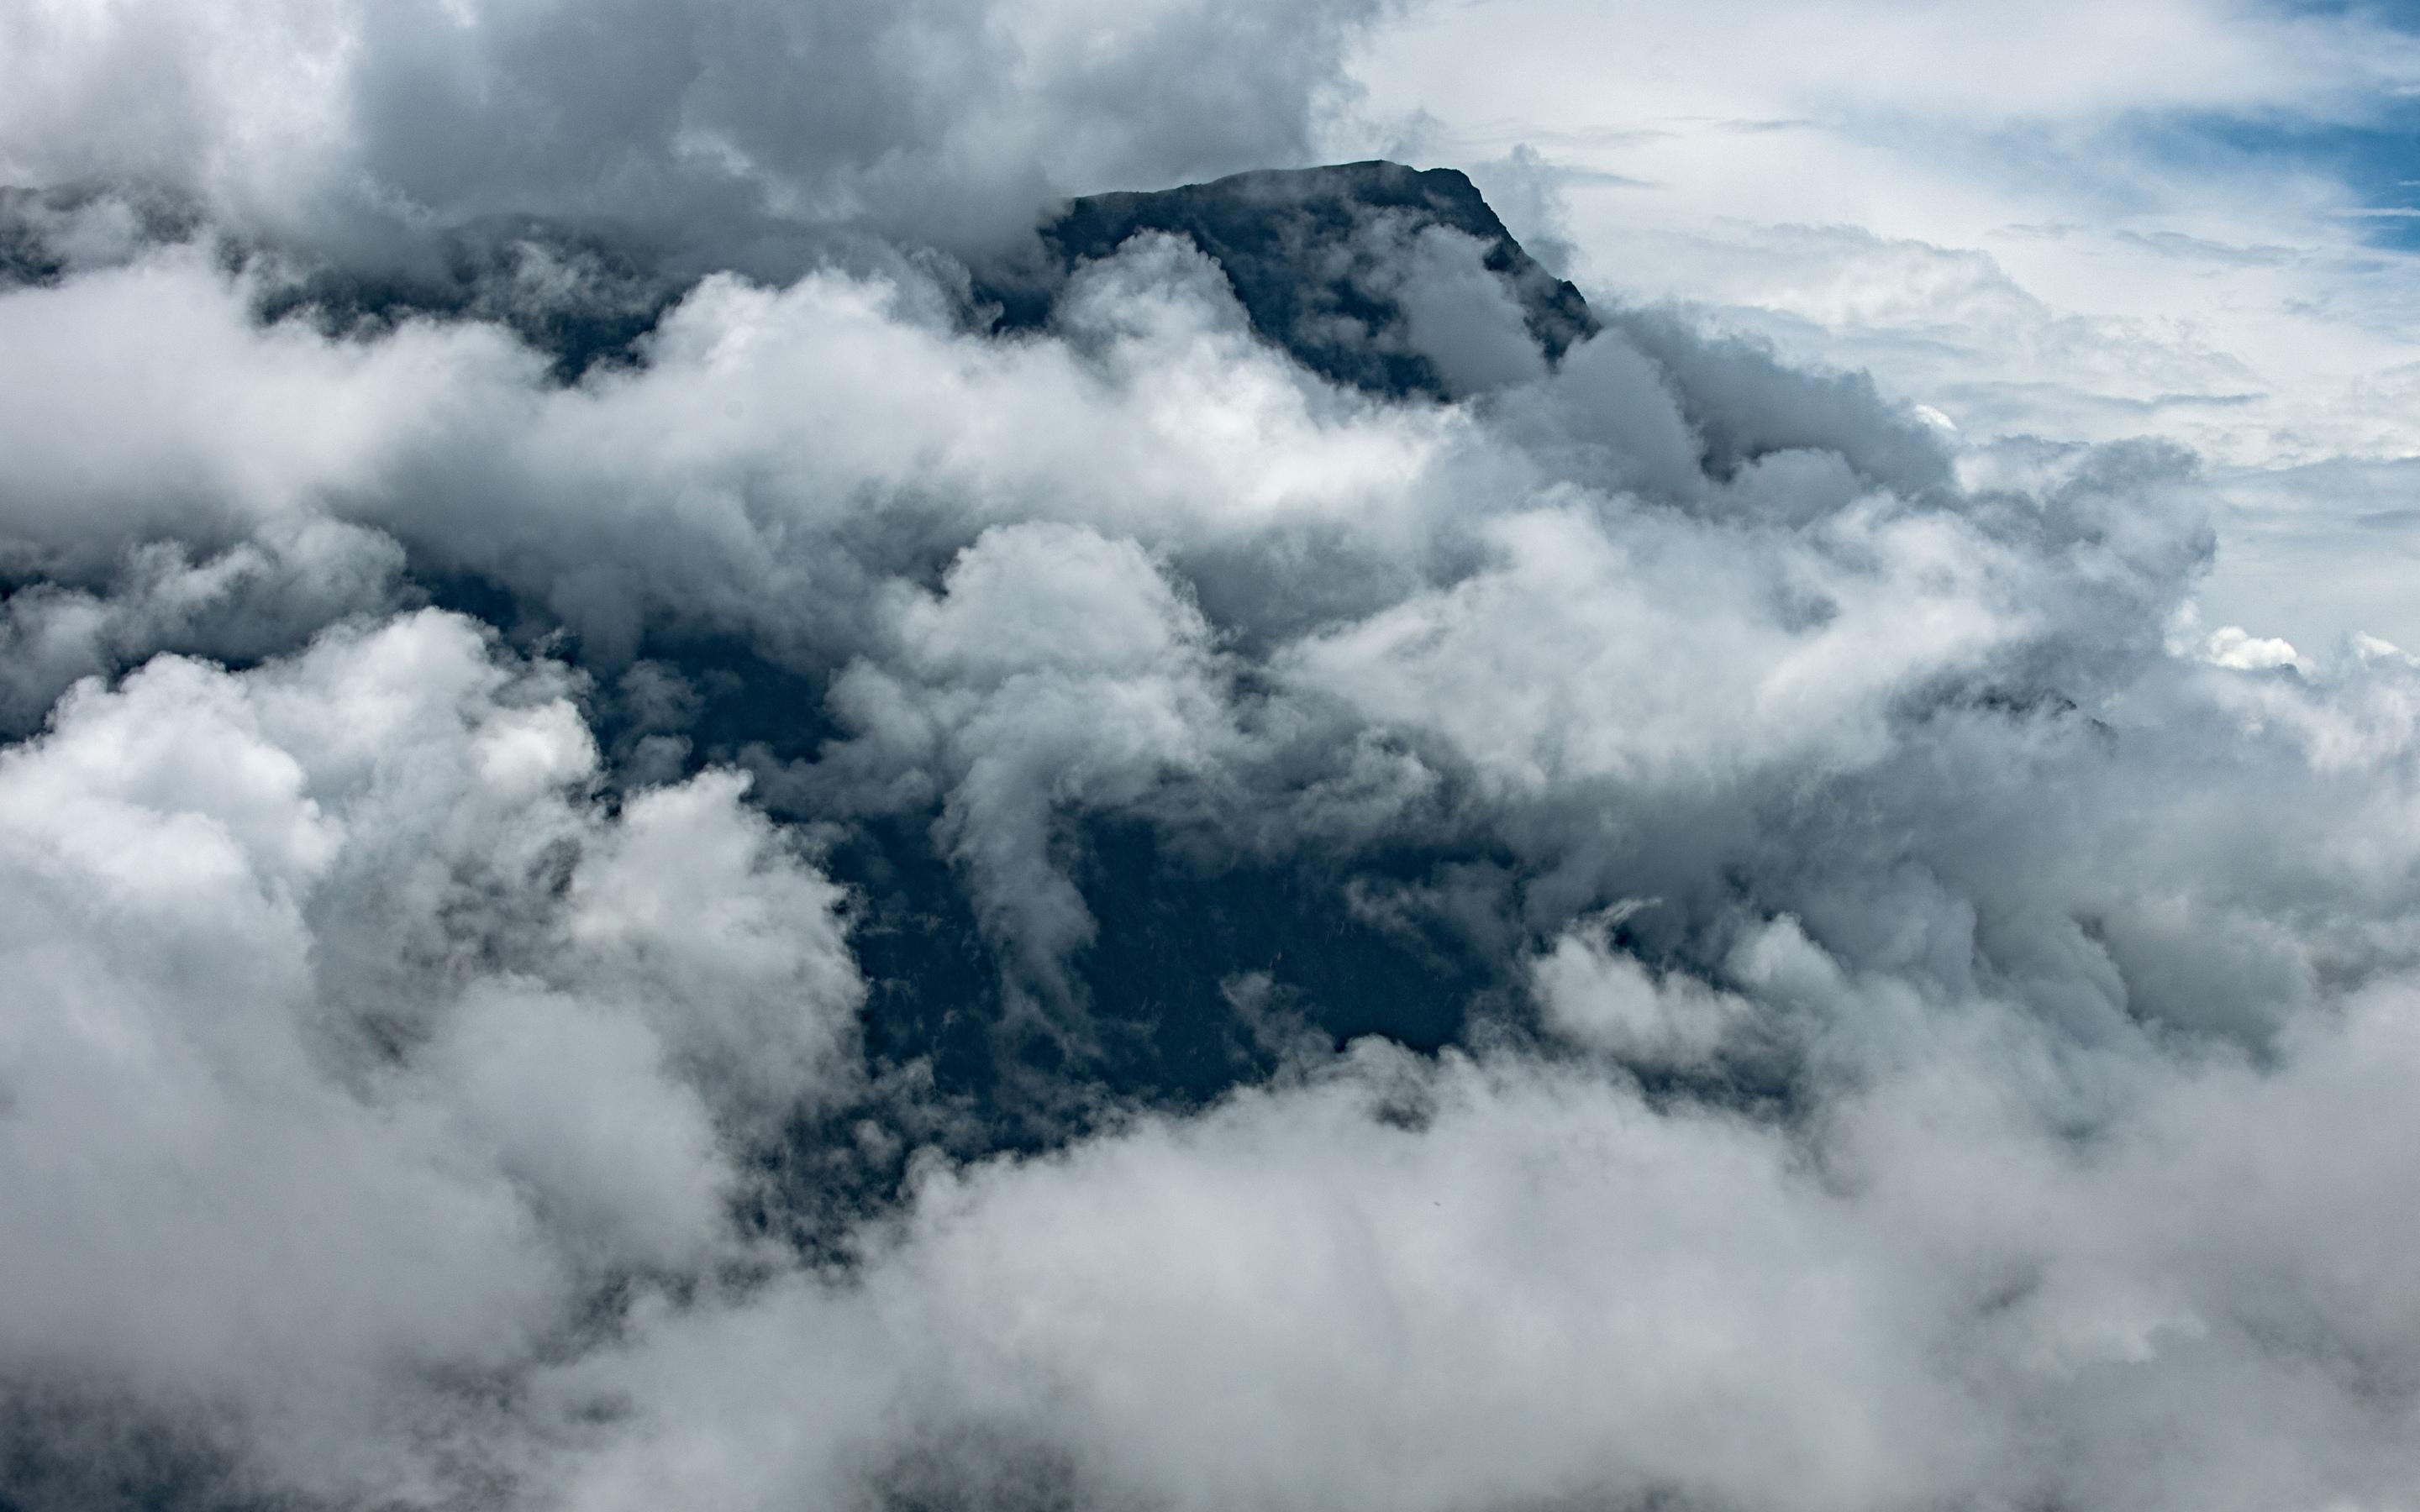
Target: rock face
x=1393, y=279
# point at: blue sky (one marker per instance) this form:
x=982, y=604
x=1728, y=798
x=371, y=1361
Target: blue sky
x=2376, y=156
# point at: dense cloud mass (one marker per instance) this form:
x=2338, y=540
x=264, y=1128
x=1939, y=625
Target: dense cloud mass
x=1244, y=860
x=680, y=120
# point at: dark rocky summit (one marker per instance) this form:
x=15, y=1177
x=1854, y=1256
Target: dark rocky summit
x=1366, y=271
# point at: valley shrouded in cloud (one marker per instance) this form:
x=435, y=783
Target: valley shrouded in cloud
x=740, y=775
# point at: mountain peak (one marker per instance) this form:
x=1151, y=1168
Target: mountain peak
x=1395, y=279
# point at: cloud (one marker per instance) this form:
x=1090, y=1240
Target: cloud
x=1481, y=1282
x=1057, y=672
x=356, y=1047
x=846, y=907
x=951, y=119
x=259, y=595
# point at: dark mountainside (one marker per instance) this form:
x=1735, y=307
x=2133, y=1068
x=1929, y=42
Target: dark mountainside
x=1207, y=963
x=1210, y=962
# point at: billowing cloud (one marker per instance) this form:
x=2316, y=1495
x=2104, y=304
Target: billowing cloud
x=950, y=119
x=353, y=1048
x=2044, y=223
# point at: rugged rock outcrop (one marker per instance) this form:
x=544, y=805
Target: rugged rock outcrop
x=1395, y=279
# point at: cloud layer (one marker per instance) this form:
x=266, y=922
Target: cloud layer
x=846, y=907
